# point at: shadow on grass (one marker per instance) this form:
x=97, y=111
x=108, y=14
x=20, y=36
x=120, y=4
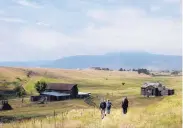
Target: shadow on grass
x=9, y=119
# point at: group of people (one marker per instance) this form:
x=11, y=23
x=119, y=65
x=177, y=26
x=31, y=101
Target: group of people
x=105, y=107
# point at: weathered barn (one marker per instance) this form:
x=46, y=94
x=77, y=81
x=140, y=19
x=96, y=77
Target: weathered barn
x=63, y=88
x=60, y=91
x=155, y=89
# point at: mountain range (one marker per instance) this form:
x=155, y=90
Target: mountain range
x=115, y=60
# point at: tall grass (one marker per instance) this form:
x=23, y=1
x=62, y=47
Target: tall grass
x=163, y=114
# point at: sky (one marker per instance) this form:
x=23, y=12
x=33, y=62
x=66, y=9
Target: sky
x=51, y=29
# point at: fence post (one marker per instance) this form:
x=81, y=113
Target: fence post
x=41, y=123
x=54, y=118
x=62, y=120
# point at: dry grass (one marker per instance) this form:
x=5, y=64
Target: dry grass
x=164, y=114
x=143, y=112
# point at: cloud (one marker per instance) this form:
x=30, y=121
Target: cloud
x=126, y=29
x=155, y=8
x=41, y=38
x=28, y=3
x=1, y=12
x=42, y=24
x=60, y=32
x=12, y=20
x=135, y=29
x=172, y=1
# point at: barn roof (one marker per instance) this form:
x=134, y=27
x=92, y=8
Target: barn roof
x=60, y=86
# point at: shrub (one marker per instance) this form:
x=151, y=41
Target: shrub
x=20, y=91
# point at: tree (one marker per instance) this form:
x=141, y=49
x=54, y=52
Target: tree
x=20, y=91
x=121, y=69
x=139, y=71
x=175, y=72
x=40, y=86
x=145, y=71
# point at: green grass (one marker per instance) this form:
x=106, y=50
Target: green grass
x=143, y=112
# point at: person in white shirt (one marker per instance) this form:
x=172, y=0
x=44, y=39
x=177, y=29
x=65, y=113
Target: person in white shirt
x=108, y=106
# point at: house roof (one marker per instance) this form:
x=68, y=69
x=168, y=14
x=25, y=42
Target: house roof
x=55, y=94
x=60, y=86
x=156, y=84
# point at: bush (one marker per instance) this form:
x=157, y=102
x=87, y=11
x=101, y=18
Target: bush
x=20, y=91
x=29, y=73
x=18, y=78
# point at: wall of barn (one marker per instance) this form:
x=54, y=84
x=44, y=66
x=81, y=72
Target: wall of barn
x=74, y=92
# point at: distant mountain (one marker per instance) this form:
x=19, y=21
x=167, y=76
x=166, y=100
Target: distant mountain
x=24, y=63
x=110, y=60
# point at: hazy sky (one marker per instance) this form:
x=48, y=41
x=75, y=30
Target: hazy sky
x=50, y=29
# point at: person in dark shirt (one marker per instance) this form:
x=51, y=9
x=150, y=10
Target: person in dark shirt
x=103, y=108
x=125, y=105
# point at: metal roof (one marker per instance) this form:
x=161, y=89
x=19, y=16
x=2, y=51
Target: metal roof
x=83, y=93
x=156, y=84
x=55, y=94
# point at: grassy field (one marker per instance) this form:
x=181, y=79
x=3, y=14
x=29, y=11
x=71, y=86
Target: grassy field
x=154, y=112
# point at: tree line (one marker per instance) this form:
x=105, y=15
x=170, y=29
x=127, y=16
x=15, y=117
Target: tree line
x=140, y=70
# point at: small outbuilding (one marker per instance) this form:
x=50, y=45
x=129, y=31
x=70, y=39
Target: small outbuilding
x=5, y=106
x=155, y=89
x=83, y=94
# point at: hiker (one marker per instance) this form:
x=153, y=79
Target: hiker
x=108, y=106
x=125, y=105
x=103, y=107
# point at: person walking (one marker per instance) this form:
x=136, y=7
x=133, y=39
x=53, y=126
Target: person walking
x=125, y=105
x=108, y=106
x=103, y=108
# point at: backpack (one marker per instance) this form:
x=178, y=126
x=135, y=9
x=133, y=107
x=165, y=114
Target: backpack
x=102, y=105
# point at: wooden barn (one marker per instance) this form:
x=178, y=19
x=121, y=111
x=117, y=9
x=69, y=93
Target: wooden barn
x=155, y=89
x=63, y=88
x=60, y=91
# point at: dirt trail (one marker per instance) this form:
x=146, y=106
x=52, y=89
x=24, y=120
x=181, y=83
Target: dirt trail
x=116, y=117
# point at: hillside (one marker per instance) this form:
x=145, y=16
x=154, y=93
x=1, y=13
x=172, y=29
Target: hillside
x=143, y=112
x=110, y=60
